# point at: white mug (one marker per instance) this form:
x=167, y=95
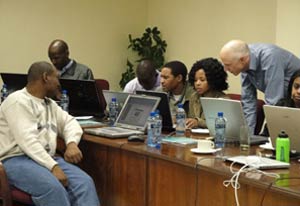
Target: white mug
x=205, y=145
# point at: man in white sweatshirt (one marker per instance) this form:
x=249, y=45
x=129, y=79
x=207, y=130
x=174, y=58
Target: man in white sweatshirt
x=29, y=125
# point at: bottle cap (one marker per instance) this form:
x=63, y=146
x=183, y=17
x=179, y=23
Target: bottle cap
x=114, y=99
x=282, y=134
x=220, y=114
x=152, y=114
x=64, y=91
x=180, y=105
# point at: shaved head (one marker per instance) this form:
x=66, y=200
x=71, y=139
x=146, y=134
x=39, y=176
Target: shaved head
x=146, y=74
x=58, y=45
x=58, y=53
x=235, y=56
x=235, y=49
x=37, y=70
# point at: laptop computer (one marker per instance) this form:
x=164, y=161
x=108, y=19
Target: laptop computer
x=283, y=118
x=163, y=107
x=14, y=81
x=120, y=96
x=259, y=162
x=83, y=95
x=132, y=119
x=233, y=113
x=84, y=98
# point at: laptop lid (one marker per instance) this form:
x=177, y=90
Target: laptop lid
x=14, y=81
x=283, y=118
x=84, y=97
x=258, y=162
x=163, y=107
x=233, y=113
x=120, y=96
x=135, y=112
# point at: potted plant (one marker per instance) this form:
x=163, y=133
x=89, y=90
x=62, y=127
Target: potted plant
x=149, y=46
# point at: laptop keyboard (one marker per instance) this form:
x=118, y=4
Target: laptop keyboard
x=118, y=129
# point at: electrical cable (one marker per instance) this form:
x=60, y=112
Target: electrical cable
x=234, y=180
x=271, y=184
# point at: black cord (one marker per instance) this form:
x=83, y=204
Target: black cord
x=271, y=184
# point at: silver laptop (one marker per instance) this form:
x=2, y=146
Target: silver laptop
x=120, y=96
x=283, y=118
x=233, y=113
x=132, y=119
x=259, y=162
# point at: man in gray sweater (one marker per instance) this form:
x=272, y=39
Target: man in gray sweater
x=58, y=53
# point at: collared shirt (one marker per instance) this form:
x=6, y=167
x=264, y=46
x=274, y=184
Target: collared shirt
x=77, y=71
x=269, y=71
x=184, y=98
x=65, y=68
x=134, y=85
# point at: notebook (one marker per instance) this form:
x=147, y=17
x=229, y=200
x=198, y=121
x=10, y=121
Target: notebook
x=233, y=113
x=14, y=81
x=120, y=96
x=132, y=119
x=84, y=98
x=283, y=118
x=163, y=107
x=259, y=162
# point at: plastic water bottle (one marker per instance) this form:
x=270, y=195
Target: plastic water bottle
x=64, y=101
x=151, y=130
x=113, y=111
x=158, y=136
x=283, y=147
x=180, y=120
x=4, y=92
x=220, y=127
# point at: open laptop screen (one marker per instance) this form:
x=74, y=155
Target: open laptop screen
x=283, y=118
x=136, y=110
x=14, y=81
x=120, y=96
x=233, y=113
x=163, y=107
x=84, y=97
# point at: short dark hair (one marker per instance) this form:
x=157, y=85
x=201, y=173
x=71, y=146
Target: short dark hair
x=62, y=45
x=145, y=69
x=214, y=72
x=295, y=75
x=177, y=68
x=37, y=69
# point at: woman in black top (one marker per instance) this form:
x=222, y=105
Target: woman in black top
x=292, y=99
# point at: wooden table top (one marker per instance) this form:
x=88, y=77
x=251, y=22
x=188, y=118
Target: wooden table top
x=209, y=162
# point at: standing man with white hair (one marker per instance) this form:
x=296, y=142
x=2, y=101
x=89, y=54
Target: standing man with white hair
x=265, y=67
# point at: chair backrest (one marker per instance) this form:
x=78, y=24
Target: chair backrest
x=102, y=84
x=260, y=116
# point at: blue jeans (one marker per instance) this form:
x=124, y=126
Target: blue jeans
x=45, y=189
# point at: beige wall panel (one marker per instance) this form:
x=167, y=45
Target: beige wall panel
x=96, y=31
x=196, y=29
x=287, y=28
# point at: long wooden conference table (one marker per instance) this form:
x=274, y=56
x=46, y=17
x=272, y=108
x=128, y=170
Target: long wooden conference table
x=132, y=174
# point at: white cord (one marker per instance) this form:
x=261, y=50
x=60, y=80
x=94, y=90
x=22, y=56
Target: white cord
x=234, y=180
